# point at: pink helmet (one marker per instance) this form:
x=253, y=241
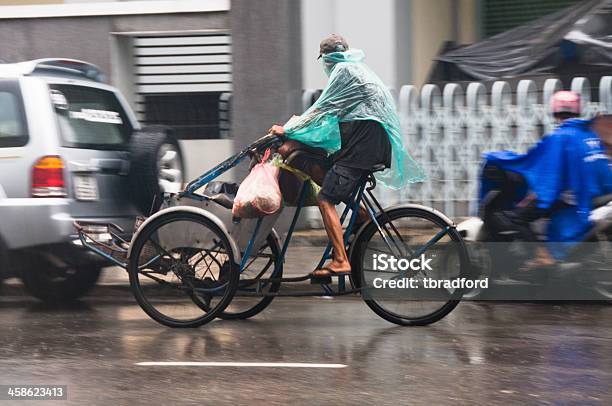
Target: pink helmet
x=565, y=102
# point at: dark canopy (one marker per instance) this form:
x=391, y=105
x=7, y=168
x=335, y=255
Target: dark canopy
x=580, y=35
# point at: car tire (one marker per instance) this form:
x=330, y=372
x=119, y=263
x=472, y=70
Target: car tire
x=52, y=284
x=156, y=167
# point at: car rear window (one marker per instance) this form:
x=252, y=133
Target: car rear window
x=13, y=128
x=90, y=117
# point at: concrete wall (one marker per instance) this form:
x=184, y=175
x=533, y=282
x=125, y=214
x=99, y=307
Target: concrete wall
x=88, y=38
x=437, y=21
x=367, y=25
x=79, y=38
x=267, y=65
x=432, y=25
x=267, y=75
x=469, y=21
x=201, y=155
x=400, y=37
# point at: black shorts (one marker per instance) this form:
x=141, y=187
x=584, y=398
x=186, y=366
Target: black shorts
x=340, y=182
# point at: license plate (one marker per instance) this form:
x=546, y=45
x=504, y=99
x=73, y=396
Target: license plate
x=85, y=188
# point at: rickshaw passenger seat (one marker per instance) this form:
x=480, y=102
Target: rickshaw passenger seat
x=222, y=193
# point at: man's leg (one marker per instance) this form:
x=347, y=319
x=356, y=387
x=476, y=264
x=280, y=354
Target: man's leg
x=338, y=186
x=317, y=172
x=340, y=262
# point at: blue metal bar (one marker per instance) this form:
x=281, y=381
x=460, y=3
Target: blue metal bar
x=383, y=227
x=328, y=291
x=349, y=229
x=432, y=241
x=347, y=232
x=372, y=215
x=391, y=225
x=106, y=256
x=341, y=283
x=247, y=251
x=354, y=214
x=354, y=207
x=213, y=174
x=229, y=163
x=149, y=262
x=296, y=215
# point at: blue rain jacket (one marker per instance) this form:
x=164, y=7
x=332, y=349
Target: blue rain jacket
x=572, y=162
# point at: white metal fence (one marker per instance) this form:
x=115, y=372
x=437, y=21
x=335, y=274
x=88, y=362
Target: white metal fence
x=447, y=131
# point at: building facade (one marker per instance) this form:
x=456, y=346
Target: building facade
x=194, y=64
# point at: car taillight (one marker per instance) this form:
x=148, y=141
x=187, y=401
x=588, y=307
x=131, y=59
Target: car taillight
x=48, y=177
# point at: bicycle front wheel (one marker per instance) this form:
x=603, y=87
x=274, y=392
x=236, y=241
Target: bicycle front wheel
x=386, y=259
x=182, y=269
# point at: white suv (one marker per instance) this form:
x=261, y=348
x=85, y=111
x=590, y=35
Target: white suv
x=70, y=149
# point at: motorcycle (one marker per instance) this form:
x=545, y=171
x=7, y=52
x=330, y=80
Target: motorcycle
x=584, y=272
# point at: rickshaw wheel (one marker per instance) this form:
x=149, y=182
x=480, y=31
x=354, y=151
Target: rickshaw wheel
x=273, y=249
x=175, y=269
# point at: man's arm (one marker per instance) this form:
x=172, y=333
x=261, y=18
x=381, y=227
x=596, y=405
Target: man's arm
x=342, y=93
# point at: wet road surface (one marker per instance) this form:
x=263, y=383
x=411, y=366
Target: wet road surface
x=482, y=353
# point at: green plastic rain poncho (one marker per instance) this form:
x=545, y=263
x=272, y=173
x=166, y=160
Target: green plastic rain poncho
x=353, y=93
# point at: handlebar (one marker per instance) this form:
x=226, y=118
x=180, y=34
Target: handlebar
x=267, y=141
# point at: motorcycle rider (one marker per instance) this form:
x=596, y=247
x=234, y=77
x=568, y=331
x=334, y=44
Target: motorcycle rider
x=568, y=165
x=564, y=105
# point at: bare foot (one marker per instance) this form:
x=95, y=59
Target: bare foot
x=333, y=268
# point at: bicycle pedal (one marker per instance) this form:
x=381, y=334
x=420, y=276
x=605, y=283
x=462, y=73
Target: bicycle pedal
x=324, y=280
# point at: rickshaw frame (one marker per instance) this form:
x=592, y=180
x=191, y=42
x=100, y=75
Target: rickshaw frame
x=358, y=196
x=119, y=255
x=119, y=250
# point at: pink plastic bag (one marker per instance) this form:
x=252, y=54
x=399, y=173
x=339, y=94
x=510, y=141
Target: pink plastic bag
x=259, y=193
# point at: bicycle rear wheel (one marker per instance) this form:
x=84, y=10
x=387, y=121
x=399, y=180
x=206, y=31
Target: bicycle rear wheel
x=407, y=233
x=182, y=269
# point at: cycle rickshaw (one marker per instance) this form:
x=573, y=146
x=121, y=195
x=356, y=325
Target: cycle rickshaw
x=186, y=268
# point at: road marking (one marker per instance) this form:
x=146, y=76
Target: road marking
x=240, y=364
